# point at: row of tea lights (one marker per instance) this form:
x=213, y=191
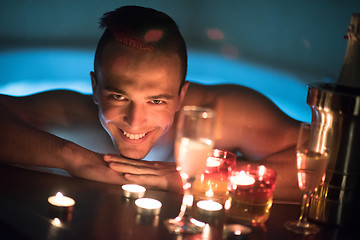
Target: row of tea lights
x=134, y=191
x=64, y=204
x=149, y=205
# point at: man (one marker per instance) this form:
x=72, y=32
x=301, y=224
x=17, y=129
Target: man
x=138, y=87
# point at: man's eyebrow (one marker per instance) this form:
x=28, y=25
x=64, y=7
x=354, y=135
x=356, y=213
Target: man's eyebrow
x=110, y=89
x=161, y=96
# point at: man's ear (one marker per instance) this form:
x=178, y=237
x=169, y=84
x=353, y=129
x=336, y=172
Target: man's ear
x=183, y=91
x=94, y=85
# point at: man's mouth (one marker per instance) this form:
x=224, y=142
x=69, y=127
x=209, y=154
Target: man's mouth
x=133, y=136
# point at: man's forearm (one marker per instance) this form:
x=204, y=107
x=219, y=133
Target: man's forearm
x=284, y=163
x=21, y=143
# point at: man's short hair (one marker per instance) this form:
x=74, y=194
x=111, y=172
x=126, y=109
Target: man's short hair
x=142, y=28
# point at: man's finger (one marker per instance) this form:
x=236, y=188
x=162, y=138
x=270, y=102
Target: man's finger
x=154, y=181
x=141, y=163
x=134, y=169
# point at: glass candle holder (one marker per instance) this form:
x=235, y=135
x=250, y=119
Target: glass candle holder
x=251, y=193
x=213, y=183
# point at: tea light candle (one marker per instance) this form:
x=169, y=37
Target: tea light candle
x=148, y=206
x=209, y=205
x=61, y=207
x=242, y=179
x=212, y=162
x=60, y=200
x=133, y=191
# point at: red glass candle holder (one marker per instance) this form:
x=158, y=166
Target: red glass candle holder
x=251, y=193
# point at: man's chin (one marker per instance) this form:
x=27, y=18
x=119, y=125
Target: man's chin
x=133, y=154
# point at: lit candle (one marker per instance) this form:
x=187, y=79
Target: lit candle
x=209, y=193
x=61, y=207
x=148, y=206
x=60, y=200
x=212, y=162
x=209, y=205
x=262, y=170
x=242, y=179
x=133, y=191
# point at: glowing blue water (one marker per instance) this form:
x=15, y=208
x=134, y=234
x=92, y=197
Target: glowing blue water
x=29, y=71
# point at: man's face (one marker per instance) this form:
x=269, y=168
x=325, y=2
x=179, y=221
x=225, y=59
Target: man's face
x=137, y=93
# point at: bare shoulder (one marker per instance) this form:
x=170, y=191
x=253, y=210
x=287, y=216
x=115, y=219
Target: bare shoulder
x=56, y=107
x=246, y=120
x=213, y=95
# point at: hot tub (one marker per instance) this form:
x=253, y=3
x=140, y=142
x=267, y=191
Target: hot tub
x=27, y=71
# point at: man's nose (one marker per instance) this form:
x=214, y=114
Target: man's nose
x=135, y=115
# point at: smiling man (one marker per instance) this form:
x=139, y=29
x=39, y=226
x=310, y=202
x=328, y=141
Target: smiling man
x=137, y=92
x=138, y=87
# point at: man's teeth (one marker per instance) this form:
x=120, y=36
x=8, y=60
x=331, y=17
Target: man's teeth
x=134, y=136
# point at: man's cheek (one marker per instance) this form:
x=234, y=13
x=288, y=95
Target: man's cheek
x=166, y=121
x=110, y=114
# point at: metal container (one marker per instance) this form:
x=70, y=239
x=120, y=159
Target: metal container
x=337, y=199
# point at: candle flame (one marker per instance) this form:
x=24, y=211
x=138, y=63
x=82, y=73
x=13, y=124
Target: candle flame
x=59, y=195
x=216, y=152
x=209, y=193
x=262, y=170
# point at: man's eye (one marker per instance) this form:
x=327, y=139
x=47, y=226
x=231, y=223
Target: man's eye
x=118, y=97
x=156, y=101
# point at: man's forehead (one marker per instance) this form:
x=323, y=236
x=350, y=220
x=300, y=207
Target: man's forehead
x=119, y=56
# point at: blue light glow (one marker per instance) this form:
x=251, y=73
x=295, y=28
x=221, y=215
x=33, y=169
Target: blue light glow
x=33, y=70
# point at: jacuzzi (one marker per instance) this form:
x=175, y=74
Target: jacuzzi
x=27, y=71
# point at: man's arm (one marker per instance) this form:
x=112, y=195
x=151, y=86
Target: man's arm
x=284, y=163
x=23, y=140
